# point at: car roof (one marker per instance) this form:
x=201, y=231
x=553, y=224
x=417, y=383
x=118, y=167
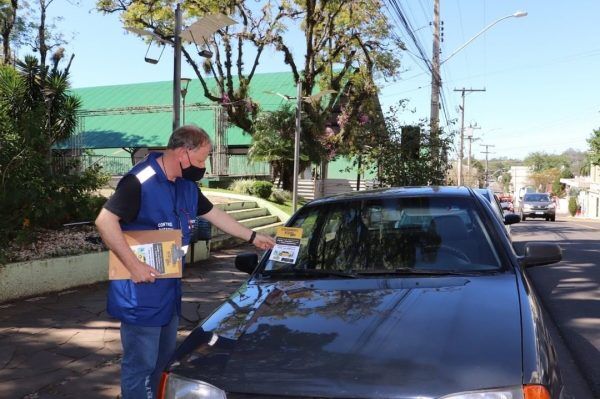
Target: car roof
x=398, y=192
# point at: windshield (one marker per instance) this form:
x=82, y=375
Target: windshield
x=536, y=198
x=396, y=234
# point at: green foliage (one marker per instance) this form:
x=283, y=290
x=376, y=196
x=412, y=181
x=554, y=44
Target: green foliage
x=573, y=206
x=36, y=111
x=262, y=189
x=428, y=167
x=594, y=142
x=273, y=142
x=279, y=196
x=540, y=161
x=242, y=186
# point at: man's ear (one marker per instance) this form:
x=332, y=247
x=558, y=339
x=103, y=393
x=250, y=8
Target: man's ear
x=180, y=153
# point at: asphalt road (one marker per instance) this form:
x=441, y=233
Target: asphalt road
x=570, y=293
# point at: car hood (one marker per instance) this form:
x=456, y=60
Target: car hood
x=398, y=337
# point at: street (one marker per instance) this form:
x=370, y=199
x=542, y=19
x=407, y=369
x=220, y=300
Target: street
x=570, y=293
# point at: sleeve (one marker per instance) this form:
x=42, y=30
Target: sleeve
x=204, y=205
x=125, y=202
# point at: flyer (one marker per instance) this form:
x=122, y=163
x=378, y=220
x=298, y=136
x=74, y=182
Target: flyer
x=287, y=245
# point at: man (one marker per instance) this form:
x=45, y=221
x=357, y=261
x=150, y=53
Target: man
x=158, y=193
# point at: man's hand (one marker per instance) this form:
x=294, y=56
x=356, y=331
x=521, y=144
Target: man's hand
x=263, y=241
x=142, y=273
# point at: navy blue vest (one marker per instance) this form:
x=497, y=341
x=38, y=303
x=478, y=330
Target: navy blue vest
x=163, y=205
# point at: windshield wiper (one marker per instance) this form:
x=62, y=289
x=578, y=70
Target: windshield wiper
x=422, y=272
x=310, y=273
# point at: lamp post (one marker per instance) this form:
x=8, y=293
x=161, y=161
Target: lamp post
x=517, y=14
x=185, y=82
x=436, y=81
x=202, y=29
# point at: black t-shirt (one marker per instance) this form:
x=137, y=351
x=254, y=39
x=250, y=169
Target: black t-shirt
x=125, y=202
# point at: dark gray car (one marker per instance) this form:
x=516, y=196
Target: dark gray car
x=395, y=293
x=538, y=205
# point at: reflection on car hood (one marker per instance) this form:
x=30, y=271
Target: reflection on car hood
x=400, y=337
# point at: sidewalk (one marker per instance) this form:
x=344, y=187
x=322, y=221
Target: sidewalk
x=65, y=345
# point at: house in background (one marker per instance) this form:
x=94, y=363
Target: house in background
x=120, y=124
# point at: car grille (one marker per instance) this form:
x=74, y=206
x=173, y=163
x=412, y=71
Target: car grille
x=539, y=207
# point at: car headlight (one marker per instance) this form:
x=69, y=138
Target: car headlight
x=524, y=392
x=526, y=206
x=551, y=206
x=176, y=387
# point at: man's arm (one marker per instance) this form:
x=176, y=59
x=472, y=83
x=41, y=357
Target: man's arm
x=112, y=235
x=229, y=225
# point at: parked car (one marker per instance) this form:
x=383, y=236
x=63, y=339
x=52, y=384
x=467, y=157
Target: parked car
x=395, y=293
x=494, y=202
x=538, y=205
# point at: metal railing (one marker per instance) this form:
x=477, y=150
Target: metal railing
x=236, y=165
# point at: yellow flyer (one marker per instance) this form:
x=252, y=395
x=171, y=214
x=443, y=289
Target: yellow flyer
x=287, y=245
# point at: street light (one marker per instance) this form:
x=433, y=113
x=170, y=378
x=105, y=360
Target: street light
x=202, y=29
x=436, y=80
x=185, y=82
x=517, y=14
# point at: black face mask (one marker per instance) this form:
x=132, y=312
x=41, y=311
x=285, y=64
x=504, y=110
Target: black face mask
x=192, y=172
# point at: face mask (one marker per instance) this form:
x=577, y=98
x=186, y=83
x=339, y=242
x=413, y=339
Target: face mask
x=192, y=172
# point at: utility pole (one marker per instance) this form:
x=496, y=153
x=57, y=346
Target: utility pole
x=471, y=140
x=297, y=144
x=436, y=81
x=462, y=132
x=177, y=68
x=486, y=152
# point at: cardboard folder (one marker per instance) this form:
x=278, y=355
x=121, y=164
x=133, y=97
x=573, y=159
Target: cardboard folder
x=160, y=249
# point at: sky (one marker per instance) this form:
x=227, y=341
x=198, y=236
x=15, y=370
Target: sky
x=540, y=72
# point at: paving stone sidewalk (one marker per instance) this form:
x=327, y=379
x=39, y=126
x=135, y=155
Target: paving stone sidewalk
x=64, y=345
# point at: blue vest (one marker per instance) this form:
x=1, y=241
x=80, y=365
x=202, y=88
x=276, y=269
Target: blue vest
x=163, y=205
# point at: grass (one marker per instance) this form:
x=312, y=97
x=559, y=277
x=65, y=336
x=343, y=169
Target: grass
x=286, y=206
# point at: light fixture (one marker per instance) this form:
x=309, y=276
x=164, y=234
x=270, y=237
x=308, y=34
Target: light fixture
x=205, y=53
x=185, y=83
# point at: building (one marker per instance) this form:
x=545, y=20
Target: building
x=119, y=124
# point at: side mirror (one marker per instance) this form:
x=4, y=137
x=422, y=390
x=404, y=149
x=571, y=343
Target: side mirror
x=511, y=218
x=540, y=253
x=246, y=262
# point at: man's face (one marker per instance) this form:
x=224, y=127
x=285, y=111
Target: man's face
x=196, y=157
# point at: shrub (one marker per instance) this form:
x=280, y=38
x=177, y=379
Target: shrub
x=262, y=189
x=278, y=197
x=242, y=186
x=573, y=206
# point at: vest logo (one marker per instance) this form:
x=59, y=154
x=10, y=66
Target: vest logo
x=164, y=225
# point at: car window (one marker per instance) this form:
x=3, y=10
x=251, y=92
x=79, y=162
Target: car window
x=425, y=233
x=536, y=198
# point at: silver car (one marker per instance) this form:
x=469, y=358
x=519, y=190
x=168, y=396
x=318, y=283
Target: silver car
x=538, y=205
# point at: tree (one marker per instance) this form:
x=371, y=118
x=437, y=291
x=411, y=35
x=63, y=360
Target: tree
x=273, y=142
x=255, y=30
x=36, y=111
x=346, y=43
x=394, y=168
x=594, y=142
x=540, y=161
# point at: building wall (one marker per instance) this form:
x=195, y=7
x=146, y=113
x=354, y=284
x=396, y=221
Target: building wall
x=519, y=181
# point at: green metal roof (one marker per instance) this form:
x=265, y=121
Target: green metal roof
x=139, y=115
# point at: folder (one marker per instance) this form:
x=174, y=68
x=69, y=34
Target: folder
x=160, y=249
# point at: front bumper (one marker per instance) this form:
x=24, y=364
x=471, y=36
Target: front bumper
x=539, y=213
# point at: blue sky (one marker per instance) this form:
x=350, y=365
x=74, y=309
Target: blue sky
x=540, y=72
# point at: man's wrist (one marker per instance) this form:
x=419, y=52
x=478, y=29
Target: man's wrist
x=252, y=237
